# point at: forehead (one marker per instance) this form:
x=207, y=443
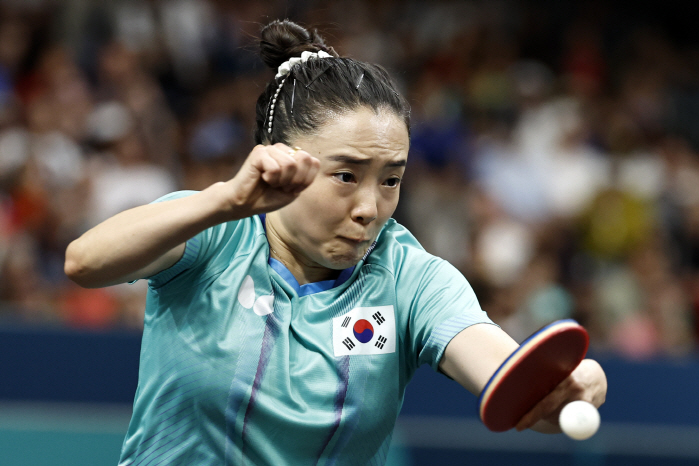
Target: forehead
x=362, y=130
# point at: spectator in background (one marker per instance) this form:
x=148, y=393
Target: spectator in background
x=531, y=131
x=121, y=175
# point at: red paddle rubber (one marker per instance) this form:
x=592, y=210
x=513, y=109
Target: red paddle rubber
x=531, y=372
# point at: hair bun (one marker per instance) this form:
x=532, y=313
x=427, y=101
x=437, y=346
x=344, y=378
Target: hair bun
x=281, y=40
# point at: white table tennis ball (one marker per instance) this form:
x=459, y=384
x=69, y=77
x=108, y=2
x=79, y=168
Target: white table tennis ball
x=579, y=420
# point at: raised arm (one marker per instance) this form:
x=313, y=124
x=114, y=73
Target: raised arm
x=474, y=354
x=145, y=240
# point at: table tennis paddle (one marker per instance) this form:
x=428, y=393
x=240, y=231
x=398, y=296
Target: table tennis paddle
x=531, y=372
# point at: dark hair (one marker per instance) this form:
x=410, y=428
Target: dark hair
x=318, y=87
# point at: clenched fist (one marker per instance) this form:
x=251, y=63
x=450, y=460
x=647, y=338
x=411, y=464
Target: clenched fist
x=270, y=178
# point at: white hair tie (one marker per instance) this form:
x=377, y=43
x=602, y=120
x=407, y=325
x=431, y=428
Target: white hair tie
x=285, y=67
x=283, y=70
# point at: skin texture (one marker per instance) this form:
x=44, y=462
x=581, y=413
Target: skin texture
x=475, y=353
x=145, y=240
x=326, y=203
x=362, y=158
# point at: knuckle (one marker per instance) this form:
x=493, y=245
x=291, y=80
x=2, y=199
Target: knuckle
x=259, y=149
x=288, y=167
x=576, y=385
x=273, y=169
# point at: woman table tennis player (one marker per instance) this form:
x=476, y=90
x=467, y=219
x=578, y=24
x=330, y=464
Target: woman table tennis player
x=286, y=310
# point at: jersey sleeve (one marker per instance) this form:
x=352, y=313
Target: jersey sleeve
x=441, y=304
x=198, y=249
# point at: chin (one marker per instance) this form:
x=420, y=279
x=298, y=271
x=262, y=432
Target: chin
x=340, y=255
x=339, y=261
x=342, y=263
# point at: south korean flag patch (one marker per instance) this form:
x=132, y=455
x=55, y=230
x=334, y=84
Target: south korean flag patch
x=365, y=330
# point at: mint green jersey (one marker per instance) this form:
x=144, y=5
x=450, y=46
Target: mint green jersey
x=241, y=365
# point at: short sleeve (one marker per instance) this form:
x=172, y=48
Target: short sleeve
x=189, y=257
x=443, y=304
x=198, y=249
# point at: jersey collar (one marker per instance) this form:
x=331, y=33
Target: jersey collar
x=308, y=288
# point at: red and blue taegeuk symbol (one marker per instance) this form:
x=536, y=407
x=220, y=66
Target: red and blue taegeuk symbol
x=363, y=331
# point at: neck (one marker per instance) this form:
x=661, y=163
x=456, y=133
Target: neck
x=303, y=269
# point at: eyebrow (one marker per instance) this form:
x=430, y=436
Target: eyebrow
x=348, y=159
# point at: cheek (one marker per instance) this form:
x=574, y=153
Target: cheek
x=323, y=197
x=318, y=207
x=387, y=205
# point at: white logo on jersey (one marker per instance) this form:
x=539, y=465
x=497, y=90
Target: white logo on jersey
x=365, y=330
x=246, y=293
x=246, y=297
x=264, y=305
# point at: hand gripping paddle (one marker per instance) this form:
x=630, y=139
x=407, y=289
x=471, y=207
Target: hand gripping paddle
x=531, y=372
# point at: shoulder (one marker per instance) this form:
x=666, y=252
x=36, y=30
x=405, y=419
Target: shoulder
x=243, y=233
x=398, y=251
x=395, y=239
x=214, y=249
x=236, y=237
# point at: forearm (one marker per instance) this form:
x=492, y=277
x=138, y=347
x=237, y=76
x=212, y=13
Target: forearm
x=475, y=353
x=143, y=240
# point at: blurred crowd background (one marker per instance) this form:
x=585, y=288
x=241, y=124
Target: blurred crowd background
x=554, y=153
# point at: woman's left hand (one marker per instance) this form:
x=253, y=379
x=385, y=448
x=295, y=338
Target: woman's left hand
x=587, y=383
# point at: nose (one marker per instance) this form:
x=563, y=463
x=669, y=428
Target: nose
x=365, y=209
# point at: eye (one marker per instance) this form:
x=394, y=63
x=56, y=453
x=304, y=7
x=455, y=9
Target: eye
x=344, y=177
x=392, y=182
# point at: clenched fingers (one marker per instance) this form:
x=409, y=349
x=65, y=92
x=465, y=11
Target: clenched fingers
x=306, y=172
x=282, y=167
x=587, y=382
x=551, y=404
x=276, y=165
